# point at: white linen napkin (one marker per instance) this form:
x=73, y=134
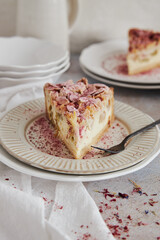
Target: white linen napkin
x=22, y=217
x=18, y=211
x=13, y=96
x=26, y=213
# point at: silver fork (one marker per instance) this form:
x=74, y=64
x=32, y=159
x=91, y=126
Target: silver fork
x=121, y=146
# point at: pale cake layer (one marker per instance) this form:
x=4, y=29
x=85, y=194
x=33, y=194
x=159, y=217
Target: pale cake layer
x=95, y=139
x=144, y=60
x=100, y=125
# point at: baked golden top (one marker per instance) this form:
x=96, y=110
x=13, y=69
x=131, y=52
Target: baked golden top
x=140, y=39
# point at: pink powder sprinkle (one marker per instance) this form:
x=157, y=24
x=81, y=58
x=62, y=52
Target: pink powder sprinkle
x=141, y=223
x=81, y=131
x=114, y=230
x=42, y=136
x=57, y=207
x=129, y=217
x=126, y=229
x=158, y=223
x=86, y=236
x=145, y=193
x=151, y=202
x=45, y=199
x=122, y=69
x=119, y=220
x=116, y=64
x=113, y=200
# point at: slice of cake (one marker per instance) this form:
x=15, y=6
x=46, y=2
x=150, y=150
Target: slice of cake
x=144, y=51
x=80, y=112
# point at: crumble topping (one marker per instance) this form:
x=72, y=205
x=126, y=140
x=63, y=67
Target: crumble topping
x=139, y=39
x=78, y=98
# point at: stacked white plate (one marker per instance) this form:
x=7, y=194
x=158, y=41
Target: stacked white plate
x=106, y=62
x=24, y=60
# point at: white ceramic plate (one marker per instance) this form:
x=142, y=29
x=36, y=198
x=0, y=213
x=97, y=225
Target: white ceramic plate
x=17, y=165
x=18, y=53
x=4, y=82
x=16, y=123
x=108, y=59
x=119, y=83
x=35, y=73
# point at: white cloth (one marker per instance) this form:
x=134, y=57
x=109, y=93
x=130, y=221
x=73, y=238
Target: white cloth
x=34, y=208
x=73, y=202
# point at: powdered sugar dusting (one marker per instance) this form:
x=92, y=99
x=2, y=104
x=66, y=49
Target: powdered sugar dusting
x=42, y=135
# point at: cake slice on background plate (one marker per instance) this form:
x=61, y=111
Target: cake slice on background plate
x=80, y=112
x=143, y=51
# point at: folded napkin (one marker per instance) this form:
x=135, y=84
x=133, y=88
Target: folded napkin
x=22, y=216
x=34, y=208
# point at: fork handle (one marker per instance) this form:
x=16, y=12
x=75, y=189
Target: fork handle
x=151, y=125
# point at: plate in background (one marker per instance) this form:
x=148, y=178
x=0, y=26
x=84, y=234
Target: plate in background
x=108, y=60
x=119, y=83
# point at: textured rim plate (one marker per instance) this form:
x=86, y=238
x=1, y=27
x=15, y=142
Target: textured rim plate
x=108, y=59
x=14, y=123
x=118, y=83
x=17, y=165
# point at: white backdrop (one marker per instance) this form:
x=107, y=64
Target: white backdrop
x=106, y=19
x=97, y=19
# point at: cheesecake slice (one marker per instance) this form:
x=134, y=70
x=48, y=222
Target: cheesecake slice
x=144, y=51
x=80, y=112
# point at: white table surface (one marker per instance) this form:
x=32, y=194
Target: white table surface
x=126, y=217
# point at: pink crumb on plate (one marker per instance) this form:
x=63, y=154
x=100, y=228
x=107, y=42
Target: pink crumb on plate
x=41, y=135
